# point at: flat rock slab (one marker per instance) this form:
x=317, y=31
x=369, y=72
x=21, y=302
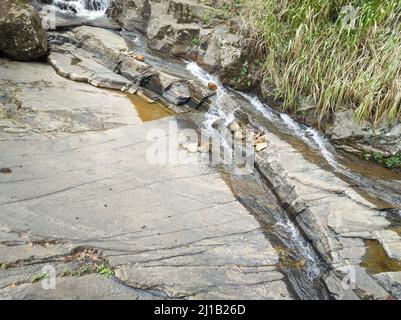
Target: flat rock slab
x=175, y=228
x=90, y=287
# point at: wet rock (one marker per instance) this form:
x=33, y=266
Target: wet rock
x=320, y=203
x=178, y=94
x=200, y=94
x=21, y=33
x=163, y=81
x=136, y=71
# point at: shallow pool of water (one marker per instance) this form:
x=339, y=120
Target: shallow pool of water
x=147, y=110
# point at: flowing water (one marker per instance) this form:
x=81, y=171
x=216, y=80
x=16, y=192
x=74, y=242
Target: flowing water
x=83, y=8
x=297, y=259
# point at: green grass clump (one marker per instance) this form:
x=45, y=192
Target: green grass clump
x=391, y=162
x=341, y=58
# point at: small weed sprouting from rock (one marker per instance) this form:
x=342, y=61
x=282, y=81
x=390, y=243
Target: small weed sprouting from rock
x=196, y=42
x=102, y=269
x=105, y=270
x=39, y=277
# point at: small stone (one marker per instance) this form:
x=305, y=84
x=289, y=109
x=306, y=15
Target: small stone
x=140, y=58
x=212, y=86
x=5, y=170
x=261, y=146
x=234, y=126
x=192, y=147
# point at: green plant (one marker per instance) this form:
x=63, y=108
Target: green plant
x=104, y=270
x=207, y=15
x=390, y=162
x=39, y=277
x=367, y=156
x=393, y=161
x=196, y=42
x=243, y=78
x=378, y=157
x=66, y=273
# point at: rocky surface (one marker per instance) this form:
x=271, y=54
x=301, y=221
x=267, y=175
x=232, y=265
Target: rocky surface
x=21, y=34
x=192, y=29
x=363, y=136
x=78, y=191
x=334, y=216
x=103, y=58
x=85, y=192
x=207, y=32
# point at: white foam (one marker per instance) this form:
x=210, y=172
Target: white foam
x=90, y=9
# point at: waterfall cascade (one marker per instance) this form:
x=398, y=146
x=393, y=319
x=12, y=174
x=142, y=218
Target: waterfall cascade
x=83, y=8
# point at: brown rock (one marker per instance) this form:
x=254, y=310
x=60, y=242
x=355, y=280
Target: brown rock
x=212, y=86
x=139, y=58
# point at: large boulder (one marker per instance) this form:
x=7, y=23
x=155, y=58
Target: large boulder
x=21, y=33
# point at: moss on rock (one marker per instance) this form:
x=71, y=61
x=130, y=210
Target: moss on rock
x=21, y=33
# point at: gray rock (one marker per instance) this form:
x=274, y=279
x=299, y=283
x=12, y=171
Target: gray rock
x=88, y=287
x=99, y=188
x=76, y=64
x=95, y=55
x=391, y=281
x=363, y=136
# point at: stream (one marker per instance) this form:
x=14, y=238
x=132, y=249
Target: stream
x=298, y=260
